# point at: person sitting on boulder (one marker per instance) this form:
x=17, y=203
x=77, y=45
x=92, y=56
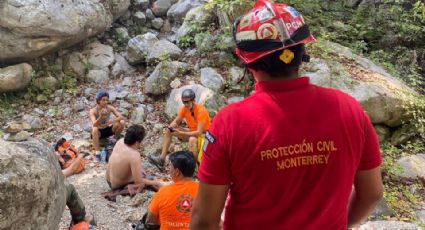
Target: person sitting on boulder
x=103, y=126
x=71, y=161
x=172, y=205
x=198, y=120
x=125, y=163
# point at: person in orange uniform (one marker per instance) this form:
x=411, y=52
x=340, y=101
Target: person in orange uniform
x=171, y=207
x=198, y=122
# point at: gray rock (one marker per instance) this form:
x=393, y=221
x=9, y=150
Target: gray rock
x=388, y=225
x=98, y=76
x=166, y=28
x=46, y=83
x=35, y=122
x=139, y=18
x=143, y=4
x=163, y=49
x=160, y=7
x=125, y=105
x=383, y=98
x=112, y=96
x=57, y=101
x=382, y=209
x=87, y=127
x=77, y=128
x=412, y=166
x=67, y=111
x=165, y=72
x=138, y=115
x=234, y=99
x=18, y=137
x=124, y=112
x=127, y=81
x=124, y=66
x=79, y=106
x=178, y=11
x=84, y=114
x=210, y=78
x=122, y=94
x=89, y=92
x=31, y=186
x=136, y=98
x=68, y=136
x=99, y=56
x=150, y=108
x=138, y=47
x=157, y=23
x=383, y=133
x=75, y=64
x=116, y=71
x=38, y=111
x=14, y=78
x=51, y=112
x=421, y=216
x=33, y=28
x=174, y=100
x=149, y=14
x=58, y=93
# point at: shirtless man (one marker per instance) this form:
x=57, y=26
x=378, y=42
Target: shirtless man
x=125, y=164
x=103, y=126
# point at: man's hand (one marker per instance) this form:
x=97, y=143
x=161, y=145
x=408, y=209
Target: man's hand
x=135, y=188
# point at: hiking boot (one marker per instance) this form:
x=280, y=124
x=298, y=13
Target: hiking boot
x=157, y=161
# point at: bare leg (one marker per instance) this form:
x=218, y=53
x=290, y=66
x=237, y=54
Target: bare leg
x=166, y=143
x=95, y=137
x=193, y=146
x=118, y=127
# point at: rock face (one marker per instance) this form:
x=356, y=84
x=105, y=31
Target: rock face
x=412, y=166
x=14, y=78
x=383, y=97
x=32, y=187
x=178, y=11
x=33, y=28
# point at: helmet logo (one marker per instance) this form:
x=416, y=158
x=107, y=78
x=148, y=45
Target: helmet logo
x=246, y=35
x=292, y=11
x=264, y=14
x=245, y=21
x=267, y=31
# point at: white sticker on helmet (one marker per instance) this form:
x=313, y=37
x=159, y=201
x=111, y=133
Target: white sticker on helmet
x=292, y=11
x=245, y=21
x=283, y=32
x=264, y=14
x=246, y=35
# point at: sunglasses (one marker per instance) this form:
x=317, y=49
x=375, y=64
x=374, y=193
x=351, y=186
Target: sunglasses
x=186, y=102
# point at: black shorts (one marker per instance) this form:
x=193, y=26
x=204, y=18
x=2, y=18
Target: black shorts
x=106, y=132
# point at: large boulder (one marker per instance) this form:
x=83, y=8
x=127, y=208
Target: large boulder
x=33, y=28
x=198, y=15
x=138, y=47
x=163, y=49
x=160, y=7
x=99, y=56
x=210, y=78
x=14, y=78
x=32, y=190
x=174, y=102
x=412, y=166
x=75, y=64
x=383, y=97
x=165, y=72
x=178, y=11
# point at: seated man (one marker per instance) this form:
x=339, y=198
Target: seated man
x=125, y=163
x=198, y=120
x=70, y=160
x=171, y=206
x=103, y=126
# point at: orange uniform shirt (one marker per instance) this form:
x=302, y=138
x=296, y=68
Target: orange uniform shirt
x=173, y=204
x=199, y=115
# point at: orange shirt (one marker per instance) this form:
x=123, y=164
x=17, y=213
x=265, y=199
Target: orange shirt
x=173, y=204
x=199, y=115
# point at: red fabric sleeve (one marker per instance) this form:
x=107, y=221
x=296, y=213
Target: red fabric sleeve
x=371, y=155
x=215, y=165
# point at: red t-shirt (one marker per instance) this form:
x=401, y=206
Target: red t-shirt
x=290, y=153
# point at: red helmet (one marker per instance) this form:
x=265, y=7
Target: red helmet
x=269, y=27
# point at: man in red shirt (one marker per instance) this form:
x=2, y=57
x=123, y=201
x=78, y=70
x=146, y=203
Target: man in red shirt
x=198, y=122
x=289, y=154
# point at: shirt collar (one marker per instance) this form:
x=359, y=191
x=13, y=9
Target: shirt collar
x=282, y=85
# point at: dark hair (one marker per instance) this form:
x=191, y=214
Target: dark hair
x=275, y=67
x=183, y=161
x=59, y=143
x=134, y=133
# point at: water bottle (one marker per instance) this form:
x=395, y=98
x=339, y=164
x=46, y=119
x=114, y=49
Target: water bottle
x=103, y=156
